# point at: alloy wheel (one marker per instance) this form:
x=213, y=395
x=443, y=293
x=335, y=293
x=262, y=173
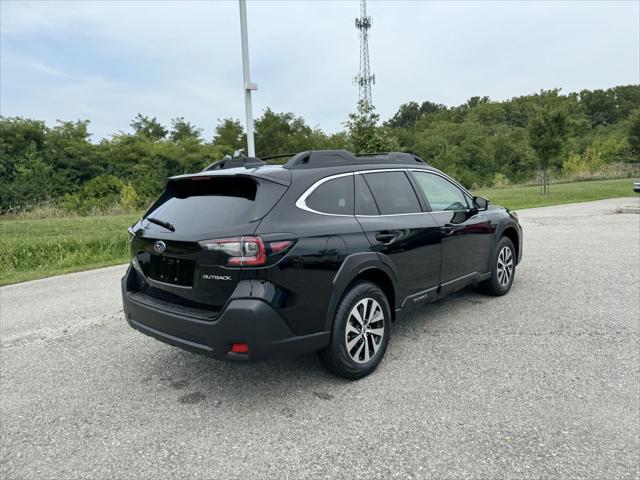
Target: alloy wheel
x=505, y=266
x=364, y=330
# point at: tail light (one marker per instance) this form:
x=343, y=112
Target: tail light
x=245, y=251
x=277, y=247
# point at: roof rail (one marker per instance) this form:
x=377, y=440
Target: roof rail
x=238, y=162
x=325, y=158
x=282, y=155
x=392, y=157
x=318, y=158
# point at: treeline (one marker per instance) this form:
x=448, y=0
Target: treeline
x=482, y=143
x=487, y=143
x=60, y=164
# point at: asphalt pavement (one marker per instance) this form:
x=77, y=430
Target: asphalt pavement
x=543, y=382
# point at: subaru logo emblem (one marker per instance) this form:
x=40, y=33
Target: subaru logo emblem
x=159, y=246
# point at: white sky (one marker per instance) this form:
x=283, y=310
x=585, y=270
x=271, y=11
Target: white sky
x=107, y=61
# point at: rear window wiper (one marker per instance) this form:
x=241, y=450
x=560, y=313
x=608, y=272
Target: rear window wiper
x=162, y=223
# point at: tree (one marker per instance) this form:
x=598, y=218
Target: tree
x=71, y=154
x=627, y=99
x=634, y=134
x=17, y=137
x=428, y=107
x=229, y=135
x=600, y=106
x=363, y=133
x=547, y=132
x=17, y=134
x=406, y=116
x=475, y=101
x=32, y=182
x=480, y=143
x=148, y=127
x=182, y=130
x=281, y=133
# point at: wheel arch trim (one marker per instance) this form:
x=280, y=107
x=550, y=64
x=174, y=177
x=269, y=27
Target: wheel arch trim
x=505, y=230
x=354, y=266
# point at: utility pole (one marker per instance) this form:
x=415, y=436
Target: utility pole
x=364, y=79
x=248, y=86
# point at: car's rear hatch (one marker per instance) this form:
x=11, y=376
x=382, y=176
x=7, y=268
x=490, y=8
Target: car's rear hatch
x=171, y=247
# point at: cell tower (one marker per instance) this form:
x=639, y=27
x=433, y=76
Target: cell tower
x=364, y=79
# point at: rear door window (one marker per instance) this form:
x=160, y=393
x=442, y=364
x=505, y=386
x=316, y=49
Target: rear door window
x=393, y=193
x=334, y=196
x=365, y=203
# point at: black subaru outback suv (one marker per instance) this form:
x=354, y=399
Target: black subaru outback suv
x=246, y=261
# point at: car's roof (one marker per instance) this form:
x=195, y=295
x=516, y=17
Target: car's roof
x=283, y=175
x=310, y=165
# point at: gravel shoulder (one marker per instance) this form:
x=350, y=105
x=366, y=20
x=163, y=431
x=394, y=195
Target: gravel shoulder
x=543, y=382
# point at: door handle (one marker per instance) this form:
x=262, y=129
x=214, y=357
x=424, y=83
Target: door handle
x=385, y=237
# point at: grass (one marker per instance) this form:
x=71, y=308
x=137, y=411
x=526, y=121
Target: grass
x=518, y=197
x=33, y=248
x=37, y=248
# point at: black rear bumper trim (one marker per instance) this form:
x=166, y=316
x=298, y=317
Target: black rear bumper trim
x=243, y=320
x=170, y=339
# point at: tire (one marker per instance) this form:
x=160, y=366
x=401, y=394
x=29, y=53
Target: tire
x=503, y=269
x=346, y=355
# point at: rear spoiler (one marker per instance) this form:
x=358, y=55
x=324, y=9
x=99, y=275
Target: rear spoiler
x=277, y=175
x=238, y=162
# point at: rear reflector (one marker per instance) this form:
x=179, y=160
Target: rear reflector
x=240, y=348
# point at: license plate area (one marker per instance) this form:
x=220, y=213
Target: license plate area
x=176, y=271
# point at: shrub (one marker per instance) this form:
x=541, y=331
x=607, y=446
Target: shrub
x=128, y=198
x=500, y=180
x=598, y=156
x=104, y=193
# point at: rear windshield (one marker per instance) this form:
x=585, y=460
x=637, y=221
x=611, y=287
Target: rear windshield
x=197, y=204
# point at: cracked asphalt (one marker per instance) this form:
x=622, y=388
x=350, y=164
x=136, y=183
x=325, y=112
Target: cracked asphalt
x=541, y=383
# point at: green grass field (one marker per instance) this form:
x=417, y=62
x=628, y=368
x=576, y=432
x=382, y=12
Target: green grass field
x=528, y=197
x=39, y=248
x=31, y=249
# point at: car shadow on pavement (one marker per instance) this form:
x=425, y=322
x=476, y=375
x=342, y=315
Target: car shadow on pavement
x=197, y=379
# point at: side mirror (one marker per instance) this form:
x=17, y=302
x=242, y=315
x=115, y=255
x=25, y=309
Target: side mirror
x=481, y=203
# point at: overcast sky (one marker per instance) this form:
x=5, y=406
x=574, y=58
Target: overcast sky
x=108, y=61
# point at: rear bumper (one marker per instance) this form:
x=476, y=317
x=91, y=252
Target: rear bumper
x=243, y=320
